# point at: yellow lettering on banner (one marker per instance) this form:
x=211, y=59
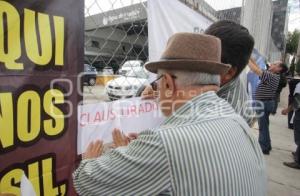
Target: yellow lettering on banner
x=28, y=122
x=56, y=125
x=39, y=172
x=59, y=24
x=10, y=182
x=63, y=189
x=49, y=188
x=38, y=37
x=13, y=52
x=28, y=126
x=33, y=176
x=44, y=56
x=6, y=120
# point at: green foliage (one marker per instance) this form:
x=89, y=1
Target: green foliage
x=292, y=42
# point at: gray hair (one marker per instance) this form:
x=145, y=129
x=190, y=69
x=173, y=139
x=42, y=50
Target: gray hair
x=187, y=78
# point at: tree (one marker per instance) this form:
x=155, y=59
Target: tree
x=298, y=67
x=293, y=67
x=292, y=42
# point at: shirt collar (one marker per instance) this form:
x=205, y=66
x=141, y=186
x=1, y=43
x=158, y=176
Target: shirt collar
x=202, y=107
x=228, y=86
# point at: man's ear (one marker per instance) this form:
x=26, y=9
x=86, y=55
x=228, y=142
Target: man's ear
x=169, y=84
x=229, y=75
x=232, y=72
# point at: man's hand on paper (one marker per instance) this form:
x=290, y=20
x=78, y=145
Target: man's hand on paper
x=120, y=139
x=94, y=150
x=132, y=136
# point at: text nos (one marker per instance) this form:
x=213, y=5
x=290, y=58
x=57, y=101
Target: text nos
x=38, y=37
x=23, y=122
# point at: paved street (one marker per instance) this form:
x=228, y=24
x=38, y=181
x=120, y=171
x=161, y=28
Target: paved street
x=283, y=181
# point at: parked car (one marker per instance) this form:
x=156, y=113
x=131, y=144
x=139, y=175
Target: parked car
x=132, y=65
x=107, y=71
x=126, y=86
x=89, y=75
x=102, y=65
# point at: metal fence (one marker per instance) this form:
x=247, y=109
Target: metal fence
x=116, y=31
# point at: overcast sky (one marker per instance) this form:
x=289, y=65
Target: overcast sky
x=294, y=10
x=98, y=6
x=224, y=4
x=294, y=19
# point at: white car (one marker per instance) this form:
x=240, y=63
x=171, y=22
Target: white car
x=132, y=65
x=128, y=85
x=107, y=71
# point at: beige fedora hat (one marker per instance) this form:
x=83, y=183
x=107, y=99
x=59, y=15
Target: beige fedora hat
x=191, y=52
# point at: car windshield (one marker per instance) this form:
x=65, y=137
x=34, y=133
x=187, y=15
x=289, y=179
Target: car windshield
x=88, y=68
x=137, y=74
x=132, y=64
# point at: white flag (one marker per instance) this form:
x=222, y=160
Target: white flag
x=166, y=17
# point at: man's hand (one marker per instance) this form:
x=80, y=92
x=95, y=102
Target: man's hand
x=285, y=111
x=132, y=136
x=120, y=139
x=94, y=150
x=149, y=93
x=254, y=67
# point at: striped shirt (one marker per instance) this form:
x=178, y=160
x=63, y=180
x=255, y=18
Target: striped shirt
x=203, y=149
x=267, y=87
x=236, y=94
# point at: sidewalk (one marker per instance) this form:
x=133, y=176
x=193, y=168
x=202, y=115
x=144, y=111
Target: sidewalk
x=283, y=181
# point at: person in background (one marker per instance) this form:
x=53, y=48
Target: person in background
x=265, y=96
x=295, y=107
x=292, y=85
x=203, y=148
x=281, y=85
x=237, y=46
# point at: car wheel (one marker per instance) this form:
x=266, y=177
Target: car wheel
x=92, y=81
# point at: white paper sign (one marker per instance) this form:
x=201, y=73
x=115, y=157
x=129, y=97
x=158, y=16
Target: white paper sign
x=97, y=121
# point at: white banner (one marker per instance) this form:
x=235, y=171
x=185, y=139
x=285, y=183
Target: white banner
x=97, y=121
x=166, y=17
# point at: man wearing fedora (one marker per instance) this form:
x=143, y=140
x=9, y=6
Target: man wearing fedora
x=202, y=148
x=237, y=45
